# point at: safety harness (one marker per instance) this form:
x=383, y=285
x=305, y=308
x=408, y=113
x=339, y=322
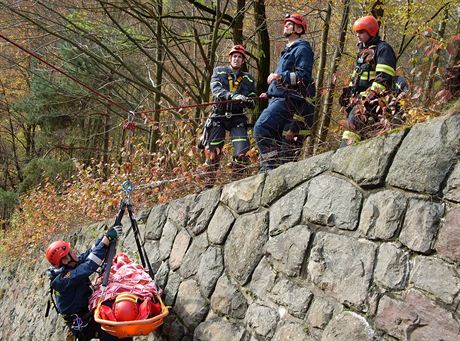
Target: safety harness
x=77, y=322
x=233, y=86
x=364, y=72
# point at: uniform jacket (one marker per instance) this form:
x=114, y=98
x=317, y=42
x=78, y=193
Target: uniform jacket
x=295, y=67
x=375, y=66
x=225, y=83
x=72, y=286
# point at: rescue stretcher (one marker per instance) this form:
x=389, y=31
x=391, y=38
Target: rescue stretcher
x=144, y=277
x=132, y=328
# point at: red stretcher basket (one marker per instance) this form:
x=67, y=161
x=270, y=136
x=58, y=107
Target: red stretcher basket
x=135, y=327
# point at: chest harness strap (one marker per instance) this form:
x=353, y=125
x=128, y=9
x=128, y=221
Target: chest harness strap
x=233, y=86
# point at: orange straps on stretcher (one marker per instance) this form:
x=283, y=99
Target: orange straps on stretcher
x=132, y=328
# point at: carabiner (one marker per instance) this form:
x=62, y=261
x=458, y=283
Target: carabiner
x=127, y=186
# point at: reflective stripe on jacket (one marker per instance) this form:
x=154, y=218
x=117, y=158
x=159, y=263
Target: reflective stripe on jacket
x=72, y=286
x=375, y=66
x=223, y=79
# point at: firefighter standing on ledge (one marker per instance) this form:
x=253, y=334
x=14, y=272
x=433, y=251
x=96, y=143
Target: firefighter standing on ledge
x=286, y=122
x=228, y=83
x=375, y=70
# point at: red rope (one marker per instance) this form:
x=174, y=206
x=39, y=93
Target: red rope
x=87, y=87
x=195, y=105
x=108, y=99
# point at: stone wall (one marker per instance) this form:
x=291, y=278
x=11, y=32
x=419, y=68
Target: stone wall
x=358, y=244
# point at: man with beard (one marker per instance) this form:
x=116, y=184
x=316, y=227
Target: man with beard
x=288, y=119
x=234, y=87
x=71, y=284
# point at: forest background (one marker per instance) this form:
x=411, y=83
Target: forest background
x=67, y=148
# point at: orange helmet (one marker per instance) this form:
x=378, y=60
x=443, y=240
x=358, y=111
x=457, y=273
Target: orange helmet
x=56, y=251
x=297, y=19
x=238, y=49
x=125, y=307
x=368, y=24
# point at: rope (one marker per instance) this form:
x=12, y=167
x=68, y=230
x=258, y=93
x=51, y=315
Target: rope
x=129, y=125
x=107, y=98
x=76, y=80
x=197, y=105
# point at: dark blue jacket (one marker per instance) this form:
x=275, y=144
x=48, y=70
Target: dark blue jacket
x=295, y=67
x=221, y=78
x=375, y=66
x=72, y=286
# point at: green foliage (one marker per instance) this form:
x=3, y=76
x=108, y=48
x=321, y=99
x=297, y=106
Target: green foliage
x=437, y=85
x=51, y=102
x=109, y=33
x=226, y=34
x=39, y=170
x=55, y=101
x=42, y=105
x=8, y=199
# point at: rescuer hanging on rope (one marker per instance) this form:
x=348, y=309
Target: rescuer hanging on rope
x=373, y=77
x=286, y=122
x=228, y=83
x=72, y=288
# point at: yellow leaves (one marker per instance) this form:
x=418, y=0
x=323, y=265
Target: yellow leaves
x=418, y=115
x=92, y=195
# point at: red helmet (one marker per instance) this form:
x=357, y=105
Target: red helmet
x=297, y=19
x=56, y=251
x=368, y=24
x=238, y=49
x=125, y=307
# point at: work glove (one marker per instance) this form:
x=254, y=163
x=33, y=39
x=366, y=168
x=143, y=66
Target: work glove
x=52, y=273
x=239, y=97
x=345, y=97
x=114, y=232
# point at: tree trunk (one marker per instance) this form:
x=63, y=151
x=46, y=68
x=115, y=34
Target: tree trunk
x=320, y=75
x=29, y=137
x=106, y=144
x=13, y=137
x=263, y=52
x=154, y=131
x=325, y=119
x=453, y=70
x=406, y=25
x=14, y=148
x=434, y=60
x=238, y=22
x=213, y=47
